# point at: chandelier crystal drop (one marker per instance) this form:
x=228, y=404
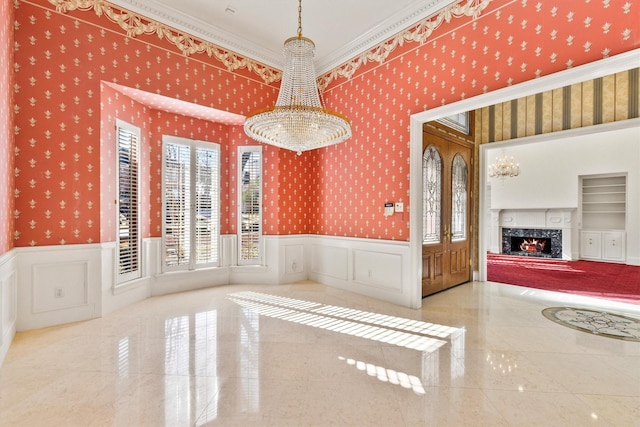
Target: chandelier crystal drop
x=504, y=167
x=298, y=121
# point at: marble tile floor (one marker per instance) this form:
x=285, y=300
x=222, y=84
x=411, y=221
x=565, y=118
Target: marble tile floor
x=480, y=354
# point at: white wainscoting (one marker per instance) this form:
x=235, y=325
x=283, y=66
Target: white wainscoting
x=58, y=284
x=51, y=285
x=376, y=268
x=8, y=301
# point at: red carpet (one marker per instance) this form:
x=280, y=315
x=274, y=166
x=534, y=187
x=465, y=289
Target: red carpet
x=618, y=282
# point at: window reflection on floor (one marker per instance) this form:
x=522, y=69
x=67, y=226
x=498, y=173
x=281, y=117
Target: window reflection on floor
x=421, y=336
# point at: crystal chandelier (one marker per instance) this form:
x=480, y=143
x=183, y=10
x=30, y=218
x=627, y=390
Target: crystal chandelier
x=504, y=167
x=299, y=121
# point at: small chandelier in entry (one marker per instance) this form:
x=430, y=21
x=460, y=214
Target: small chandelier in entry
x=299, y=121
x=504, y=167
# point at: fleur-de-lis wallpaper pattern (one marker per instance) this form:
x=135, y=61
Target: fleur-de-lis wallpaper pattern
x=64, y=177
x=6, y=127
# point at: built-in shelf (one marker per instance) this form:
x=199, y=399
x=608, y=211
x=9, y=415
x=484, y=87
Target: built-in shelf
x=603, y=208
x=603, y=203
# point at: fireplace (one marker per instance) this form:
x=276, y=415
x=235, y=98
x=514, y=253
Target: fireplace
x=530, y=246
x=532, y=242
x=553, y=225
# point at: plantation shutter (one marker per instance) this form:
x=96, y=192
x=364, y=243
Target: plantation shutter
x=207, y=205
x=177, y=191
x=191, y=223
x=250, y=215
x=128, y=215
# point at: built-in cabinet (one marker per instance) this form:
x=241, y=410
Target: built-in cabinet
x=603, y=212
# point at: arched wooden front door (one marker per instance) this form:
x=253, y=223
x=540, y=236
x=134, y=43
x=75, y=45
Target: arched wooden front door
x=447, y=183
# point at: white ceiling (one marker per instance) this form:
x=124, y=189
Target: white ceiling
x=341, y=29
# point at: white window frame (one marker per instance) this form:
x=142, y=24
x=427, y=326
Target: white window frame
x=192, y=263
x=137, y=272
x=242, y=260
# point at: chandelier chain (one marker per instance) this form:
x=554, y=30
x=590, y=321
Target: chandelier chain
x=299, y=18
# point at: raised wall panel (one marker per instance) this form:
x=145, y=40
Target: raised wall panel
x=293, y=259
x=330, y=261
x=8, y=298
x=66, y=288
x=59, y=286
x=8, y=302
x=377, y=269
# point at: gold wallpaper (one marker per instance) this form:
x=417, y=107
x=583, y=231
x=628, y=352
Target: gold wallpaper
x=611, y=98
x=607, y=99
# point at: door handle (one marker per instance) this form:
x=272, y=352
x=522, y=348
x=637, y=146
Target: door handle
x=447, y=233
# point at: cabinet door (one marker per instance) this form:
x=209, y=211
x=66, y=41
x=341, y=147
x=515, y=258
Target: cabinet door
x=613, y=245
x=590, y=244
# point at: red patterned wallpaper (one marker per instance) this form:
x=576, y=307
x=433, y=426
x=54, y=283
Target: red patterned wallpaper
x=66, y=176
x=61, y=58
x=510, y=42
x=6, y=127
x=286, y=180
x=115, y=105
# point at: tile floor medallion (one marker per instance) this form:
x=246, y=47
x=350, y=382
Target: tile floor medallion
x=611, y=325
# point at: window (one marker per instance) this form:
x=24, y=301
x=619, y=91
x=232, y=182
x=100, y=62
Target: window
x=432, y=195
x=460, y=122
x=128, y=140
x=191, y=203
x=459, y=199
x=249, y=205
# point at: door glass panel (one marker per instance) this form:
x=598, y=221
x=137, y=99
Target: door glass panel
x=458, y=199
x=431, y=195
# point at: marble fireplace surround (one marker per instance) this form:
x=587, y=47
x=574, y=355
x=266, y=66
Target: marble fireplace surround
x=552, y=240
x=555, y=223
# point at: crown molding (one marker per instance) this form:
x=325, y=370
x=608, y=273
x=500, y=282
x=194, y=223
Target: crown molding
x=403, y=19
x=204, y=30
x=413, y=13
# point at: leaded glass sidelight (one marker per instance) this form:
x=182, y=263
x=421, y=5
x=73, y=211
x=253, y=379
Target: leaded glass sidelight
x=458, y=199
x=431, y=195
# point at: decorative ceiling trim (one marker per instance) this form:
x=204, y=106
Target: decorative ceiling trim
x=396, y=23
x=136, y=25
x=418, y=33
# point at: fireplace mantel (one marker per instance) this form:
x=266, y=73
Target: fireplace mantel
x=545, y=219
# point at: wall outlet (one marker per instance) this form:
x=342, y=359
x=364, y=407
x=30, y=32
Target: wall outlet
x=399, y=207
x=58, y=293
